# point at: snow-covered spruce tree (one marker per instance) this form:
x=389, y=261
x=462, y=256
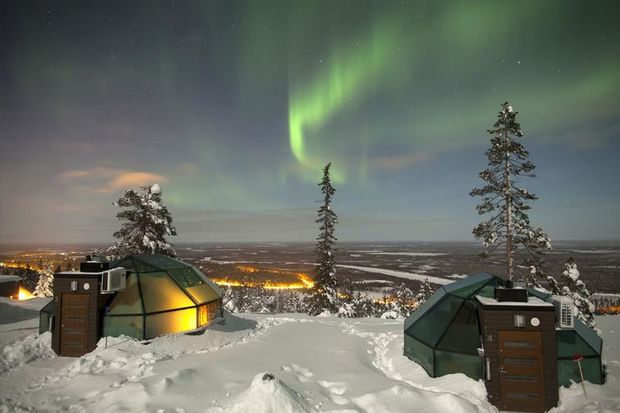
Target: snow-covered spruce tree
x=425, y=292
x=571, y=286
x=146, y=223
x=346, y=308
x=403, y=300
x=228, y=301
x=362, y=305
x=324, y=297
x=507, y=203
x=45, y=285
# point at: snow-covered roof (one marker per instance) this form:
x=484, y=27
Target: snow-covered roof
x=531, y=302
x=9, y=278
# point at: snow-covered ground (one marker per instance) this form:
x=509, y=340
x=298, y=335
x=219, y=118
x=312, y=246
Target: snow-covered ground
x=255, y=364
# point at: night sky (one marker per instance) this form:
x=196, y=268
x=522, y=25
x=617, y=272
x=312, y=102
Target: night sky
x=234, y=108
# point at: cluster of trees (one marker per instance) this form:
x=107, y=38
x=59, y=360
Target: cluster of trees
x=29, y=276
x=397, y=302
x=606, y=303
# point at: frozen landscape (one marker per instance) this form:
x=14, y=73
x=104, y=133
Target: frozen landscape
x=253, y=363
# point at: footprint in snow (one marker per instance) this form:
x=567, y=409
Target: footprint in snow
x=335, y=391
x=302, y=374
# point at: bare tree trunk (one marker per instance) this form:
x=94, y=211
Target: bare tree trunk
x=508, y=200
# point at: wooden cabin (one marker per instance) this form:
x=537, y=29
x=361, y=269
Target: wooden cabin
x=520, y=353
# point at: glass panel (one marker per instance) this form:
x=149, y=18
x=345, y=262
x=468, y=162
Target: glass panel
x=537, y=293
x=589, y=336
x=127, y=301
x=477, y=280
x=448, y=363
x=421, y=310
x=125, y=325
x=46, y=317
x=141, y=266
x=160, y=293
x=186, y=277
x=468, y=290
x=419, y=353
x=160, y=261
x=126, y=264
x=49, y=307
x=202, y=293
x=171, y=322
x=487, y=291
x=431, y=326
x=203, y=316
x=209, y=312
x=463, y=335
x=569, y=370
x=45, y=322
x=569, y=344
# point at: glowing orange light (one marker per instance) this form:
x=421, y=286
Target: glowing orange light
x=24, y=294
x=609, y=310
x=230, y=283
x=247, y=268
x=303, y=281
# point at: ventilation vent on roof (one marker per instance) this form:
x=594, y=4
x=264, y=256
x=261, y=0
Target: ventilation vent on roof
x=564, y=311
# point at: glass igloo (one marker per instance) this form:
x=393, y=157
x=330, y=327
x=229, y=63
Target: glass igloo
x=443, y=335
x=163, y=296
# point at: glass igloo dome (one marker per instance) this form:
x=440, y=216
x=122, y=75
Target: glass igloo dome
x=163, y=296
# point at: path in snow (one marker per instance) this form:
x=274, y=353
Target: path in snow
x=263, y=364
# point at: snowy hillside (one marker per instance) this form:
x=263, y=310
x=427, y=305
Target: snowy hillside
x=254, y=364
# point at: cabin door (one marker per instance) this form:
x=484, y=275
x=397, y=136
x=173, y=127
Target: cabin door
x=522, y=385
x=74, y=325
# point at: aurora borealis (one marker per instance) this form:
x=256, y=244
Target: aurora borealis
x=235, y=107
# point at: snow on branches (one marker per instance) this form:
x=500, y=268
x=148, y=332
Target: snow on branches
x=146, y=223
x=45, y=285
x=571, y=286
x=503, y=200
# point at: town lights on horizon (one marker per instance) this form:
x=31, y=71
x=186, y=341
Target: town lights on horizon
x=304, y=282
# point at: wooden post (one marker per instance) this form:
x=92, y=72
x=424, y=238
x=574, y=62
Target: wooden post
x=578, y=357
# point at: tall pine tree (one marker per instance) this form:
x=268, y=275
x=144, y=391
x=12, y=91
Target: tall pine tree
x=146, y=223
x=505, y=201
x=324, y=295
